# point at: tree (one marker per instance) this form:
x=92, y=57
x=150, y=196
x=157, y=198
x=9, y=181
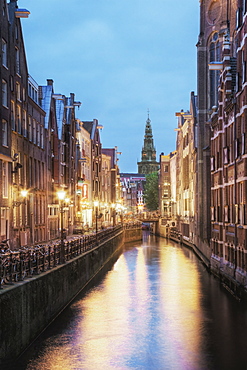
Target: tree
x=151, y=191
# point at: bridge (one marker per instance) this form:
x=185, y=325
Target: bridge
x=149, y=219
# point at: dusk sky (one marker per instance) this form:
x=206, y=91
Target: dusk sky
x=120, y=58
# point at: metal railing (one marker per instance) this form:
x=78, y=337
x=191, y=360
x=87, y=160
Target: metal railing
x=17, y=265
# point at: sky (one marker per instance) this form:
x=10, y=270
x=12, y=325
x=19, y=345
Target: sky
x=121, y=59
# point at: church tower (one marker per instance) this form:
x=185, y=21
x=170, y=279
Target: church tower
x=148, y=162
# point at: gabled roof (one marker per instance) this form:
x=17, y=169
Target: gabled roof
x=45, y=102
x=60, y=117
x=88, y=125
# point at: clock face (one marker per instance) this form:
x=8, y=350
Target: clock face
x=214, y=11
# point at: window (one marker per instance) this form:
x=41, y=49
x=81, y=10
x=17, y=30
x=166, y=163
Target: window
x=18, y=118
x=4, y=93
x=13, y=116
x=24, y=123
x=4, y=53
x=243, y=67
x=34, y=131
x=42, y=137
x=239, y=20
x=17, y=60
x=5, y=179
x=244, y=6
x=38, y=134
x=214, y=56
x=4, y=133
x=16, y=32
x=18, y=91
x=30, y=128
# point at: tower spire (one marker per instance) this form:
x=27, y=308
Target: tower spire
x=148, y=162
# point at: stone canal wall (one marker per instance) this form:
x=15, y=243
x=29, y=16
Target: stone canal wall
x=131, y=235
x=28, y=307
x=233, y=284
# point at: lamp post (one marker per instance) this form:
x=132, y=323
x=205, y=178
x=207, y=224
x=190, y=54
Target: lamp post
x=61, y=196
x=23, y=194
x=113, y=214
x=96, y=205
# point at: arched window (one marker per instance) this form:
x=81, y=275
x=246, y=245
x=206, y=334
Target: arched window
x=214, y=56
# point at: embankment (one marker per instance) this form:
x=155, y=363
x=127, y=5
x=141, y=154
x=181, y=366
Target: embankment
x=28, y=307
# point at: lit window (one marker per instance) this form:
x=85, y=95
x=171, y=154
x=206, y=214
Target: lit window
x=4, y=133
x=4, y=53
x=13, y=116
x=18, y=91
x=5, y=179
x=4, y=93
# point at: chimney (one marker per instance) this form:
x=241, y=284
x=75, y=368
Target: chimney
x=49, y=82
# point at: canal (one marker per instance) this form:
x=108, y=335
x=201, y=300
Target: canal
x=157, y=308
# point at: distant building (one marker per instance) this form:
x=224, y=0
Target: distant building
x=148, y=162
x=132, y=186
x=186, y=171
x=166, y=201
x=83, y=201
x=111, y=188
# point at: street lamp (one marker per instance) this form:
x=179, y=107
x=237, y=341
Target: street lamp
x=61, y=196
x=23, y=194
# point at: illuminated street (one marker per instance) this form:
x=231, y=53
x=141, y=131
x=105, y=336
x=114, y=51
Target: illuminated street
x=158, y=308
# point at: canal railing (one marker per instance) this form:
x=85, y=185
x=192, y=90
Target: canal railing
x=15, y=266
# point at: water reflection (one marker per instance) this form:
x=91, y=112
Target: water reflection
x=156, y=309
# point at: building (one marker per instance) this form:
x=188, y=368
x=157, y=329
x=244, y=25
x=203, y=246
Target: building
x=186, y=151
x=148, y=162
x=93, y=128
x=229, y=152
x=83, y=201
x=50, y=163
x=132, y=187
x=167, y=193
x=22, y=148
x=111, y=189
x=216, y=17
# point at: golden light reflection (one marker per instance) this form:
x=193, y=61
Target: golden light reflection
x=180, y=299
x=149, y=301
x=103, y=327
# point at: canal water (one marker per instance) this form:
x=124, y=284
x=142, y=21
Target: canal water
x=157, y=308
